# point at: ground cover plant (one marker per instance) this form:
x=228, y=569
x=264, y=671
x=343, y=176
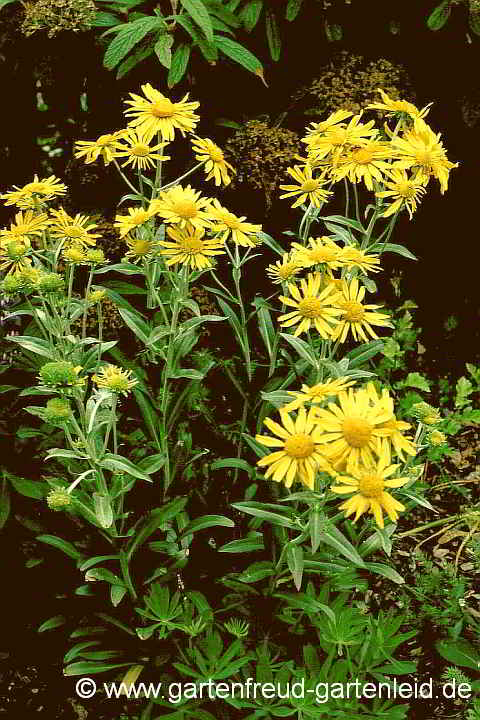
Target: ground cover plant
x=327, y=450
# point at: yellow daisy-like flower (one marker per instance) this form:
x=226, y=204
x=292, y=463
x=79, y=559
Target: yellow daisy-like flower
x=181, y=206
x=401, y=444
x=14, y=256
x=115, y=379
x=319, y=251
x=369, y=487
x=34, y=193
x=352, y=429
x=365, y=163
x=328, y=144
x=392, y=107
x=74, y=253
x=299, y=454
x=140, y=155
x=190, y=247
x=421, y=150
x=140, y=248
x=158, y=114
x=317, y=393
x=135, y=218
x=77, y=229
x=309, y=189
x=25, y=226
x=104, y=147
x=353, y=257
x=283, y=270
x=405, y=192
x=312, y=307
x=232, y=227
x=357, y=318
x=334, y=119
x=215, y=164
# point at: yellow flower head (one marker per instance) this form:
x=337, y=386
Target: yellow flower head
x=353, y=257
x=365, y=163
x=369, y=484
x=394, y=428
x=135, y=217
x=96, y=296
x=26, y=225
x=356, y=317
x=284, y=269
x=309, y=189
x=190, y=247
x=405, y=191
x=330, y=142
x=319, y=251
x=215, y=164
x=140, y=248
x=76, y=229
x=232, y=227
x=181, y=205
x=74, y=253
x=312, y=307
x=140, y=155
x=157, y=114
x=104, y=147
x=115, y=379
x=14, y=256
x=318, y=393
x=394, y=107
x=31, y=195
x=298, y=454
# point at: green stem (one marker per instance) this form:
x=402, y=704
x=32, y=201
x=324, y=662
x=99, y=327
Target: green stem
x=85, y=309
x=124, y=177
x=357, y=208
x=179, y=179
x=347, y=197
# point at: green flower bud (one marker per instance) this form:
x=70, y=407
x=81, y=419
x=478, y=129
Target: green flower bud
x=60, y=374
x=58, y=499
x=12, y=284
x=51, y=283
x=427, y=414
x=95, y=256
x=58, y=411
x=96, y=296
x=436, y=437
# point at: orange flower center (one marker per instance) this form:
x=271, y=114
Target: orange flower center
x=423, y=157
x=321, y=255
x=216, y=155
x=140, y=150
x=185, y=209
x=140, y=217
x=141, y=247
x=362, y=156
x=371, y=486
x=310, y=307
x=357, y=431
x=163, y=108
x=405, y=190
x=191, y=245
x=354, y=311
x=35, y=187
x=299, y=446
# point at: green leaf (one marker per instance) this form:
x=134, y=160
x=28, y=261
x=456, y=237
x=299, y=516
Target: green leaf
x=386, y=571
x=293, y=8
x=102, y=574
x=28, y=488
x=248, y=544
x=415, y=380
x=128, y=37
x=333, y=32
x=134, y=59
x=163, y=49
x=156, y=518
x=7, y=388
x=255, y=509
x=295, y=564
x=32, y=344
x=438, y=18
x=232, y=463
x=179, y=64
x=233, y=321
x=272, y=244
x=52, y=623
x=256, y=571
x=273, y=35
x=105, y=19
x=62, y=545
x=121, y=464
x=398, y=249
x=459, y=652
x=123, y=268
x=302, y=348
x=199, y=13
x=5, y=2
x=474, y=21
x=103, y=510
x=148, y=413
x=4, y=504
x=333, y=537
x=307, y=604
x=265, y=325
x=91, y=668
x=136, y=323
x=250, y=14
x=240, y=55
x=206, y=521
x=152, y=463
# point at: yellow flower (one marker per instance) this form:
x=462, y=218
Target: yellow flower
x=135, y=217
x=96, y=296
x=317, y=393
x=33, y=193
x=352, y=429
x=322, y=251
x=328, y=144
x=421, y=150
x=138, y=152
x=181, y=206
x=215, y=164
x=76, y=229
x=436, y=437
x=283, y=270
x=189, y=247
x=104, y=147
x=158, y=114
x=14, y=256
x=74, y=253
x=369, y=483
x=365, y=163
x=299, y=455
x=232, y=227
x=140, y=248
x=115, y=379
x=405, y=192
x=311, y=307
x=26, y=225
x=353, y=257
x=399, y=106
x=401, y=444
x=308, y=189
x=334, y=119
x=356, y=317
